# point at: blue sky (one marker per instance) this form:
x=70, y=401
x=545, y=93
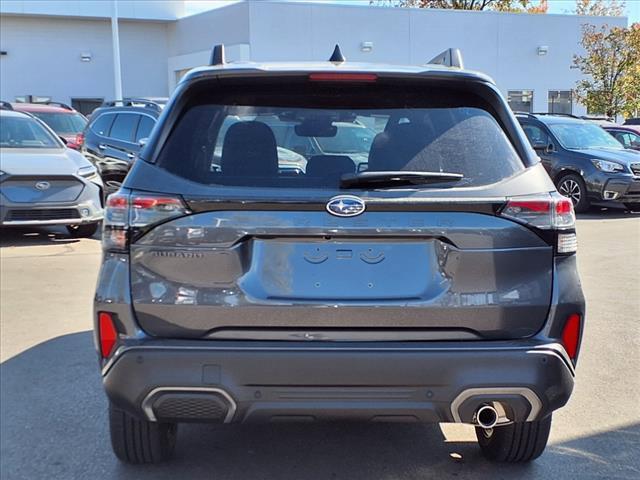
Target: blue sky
x=555, y=6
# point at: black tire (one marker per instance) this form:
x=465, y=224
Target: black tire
x=632, y=207
x=83, y=231
x=140, y=441
x=572, y=186
x=515, y=443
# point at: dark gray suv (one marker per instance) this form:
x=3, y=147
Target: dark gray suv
x=435, y=282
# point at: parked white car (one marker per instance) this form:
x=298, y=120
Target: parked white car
x=42, y=182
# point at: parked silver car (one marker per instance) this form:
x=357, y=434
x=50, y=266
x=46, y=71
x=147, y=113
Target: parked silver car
x=42, y=182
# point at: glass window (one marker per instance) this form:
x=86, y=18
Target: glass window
x=233, y=143
x=537, y=137
x=63, y=123
x=102, y=124
x=582, y=136
x=124, y=126
x=25, y=132
x=560, y=101
x=144, y=127
x=521, y=100
x=628, y=139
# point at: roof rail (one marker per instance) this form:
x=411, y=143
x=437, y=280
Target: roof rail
x=60, y=104
x=132, y=102
x=451, y=57
x=524, y=114
x=557, y=114
x=217, y=55
x=5, y=105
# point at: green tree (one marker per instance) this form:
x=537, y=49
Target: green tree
x=611, y=66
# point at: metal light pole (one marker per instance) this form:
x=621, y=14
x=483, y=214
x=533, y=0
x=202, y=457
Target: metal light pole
x=115, y=38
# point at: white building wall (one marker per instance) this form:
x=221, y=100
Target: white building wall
x=44, y=58
x=128, y=9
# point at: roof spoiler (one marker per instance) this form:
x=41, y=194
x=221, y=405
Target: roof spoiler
x=451, y=57
x=5, y=105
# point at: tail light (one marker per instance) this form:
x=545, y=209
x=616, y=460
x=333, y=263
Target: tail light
x=343, y=77
x=108, y=334
x=79, y=140
x=550, y=212
x=571, y=335
x=129, y=213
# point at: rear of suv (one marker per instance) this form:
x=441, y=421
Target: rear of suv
x=116, y=133
x=435, y=282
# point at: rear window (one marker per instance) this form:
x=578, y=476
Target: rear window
x=62, y=123
x=313, y=139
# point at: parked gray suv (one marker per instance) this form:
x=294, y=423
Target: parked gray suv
x=436, y=282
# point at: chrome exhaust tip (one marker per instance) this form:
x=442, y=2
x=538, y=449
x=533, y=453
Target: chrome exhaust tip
x=486, y=416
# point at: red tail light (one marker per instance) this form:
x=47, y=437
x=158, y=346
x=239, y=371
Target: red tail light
x=342, y=77
x=546, y=212
x=571, y=335
x=108, y=334
x=124, y=212
x=79, y=140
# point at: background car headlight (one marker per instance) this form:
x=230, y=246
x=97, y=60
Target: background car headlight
x=609, y=167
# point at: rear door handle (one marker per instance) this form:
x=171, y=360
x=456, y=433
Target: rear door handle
x=102, y=146
x=131, y=156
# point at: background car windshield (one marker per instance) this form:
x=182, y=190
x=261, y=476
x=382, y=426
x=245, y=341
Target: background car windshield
x=580, y=136
x=63, y=122
x=348, y=139
x=24, y=132
x=239, y=145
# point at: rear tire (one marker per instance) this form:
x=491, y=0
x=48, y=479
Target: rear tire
x=572, y=186
x=83, y=231
x=515, y=443
x=140, y=441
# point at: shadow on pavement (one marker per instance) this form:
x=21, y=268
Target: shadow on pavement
x=36, y=236
x=596, y=213
x=53, y=425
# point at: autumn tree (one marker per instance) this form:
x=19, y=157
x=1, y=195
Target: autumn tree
x=600, y=8
x=611, y=66
x=529, y=6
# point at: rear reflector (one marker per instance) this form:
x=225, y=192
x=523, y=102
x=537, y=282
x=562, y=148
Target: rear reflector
x=567, y=243
x=571, y=335
x=108, y=334
x=343, y=77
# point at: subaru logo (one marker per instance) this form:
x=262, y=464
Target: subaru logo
x=345, y=206
x=43, y=185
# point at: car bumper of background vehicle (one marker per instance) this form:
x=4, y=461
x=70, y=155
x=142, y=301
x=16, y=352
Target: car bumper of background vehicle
x=619, y=188
x=87, y=208
x=199, y=381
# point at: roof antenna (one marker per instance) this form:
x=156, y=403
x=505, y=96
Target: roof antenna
x=336, y=56
x=217, y=55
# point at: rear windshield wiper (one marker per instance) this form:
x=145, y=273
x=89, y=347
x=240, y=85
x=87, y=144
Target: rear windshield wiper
x=396, y=178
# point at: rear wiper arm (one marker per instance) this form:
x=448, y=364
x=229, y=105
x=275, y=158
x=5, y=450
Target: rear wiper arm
x=396, y=178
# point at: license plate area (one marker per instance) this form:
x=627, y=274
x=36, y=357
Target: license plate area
x=343, y=270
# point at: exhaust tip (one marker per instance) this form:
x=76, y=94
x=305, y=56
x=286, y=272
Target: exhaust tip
x=486, y=416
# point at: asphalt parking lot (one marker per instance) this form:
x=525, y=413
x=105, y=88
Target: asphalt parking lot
x=53, y=412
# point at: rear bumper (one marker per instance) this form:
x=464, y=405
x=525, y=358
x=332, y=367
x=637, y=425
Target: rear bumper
x=303, y=381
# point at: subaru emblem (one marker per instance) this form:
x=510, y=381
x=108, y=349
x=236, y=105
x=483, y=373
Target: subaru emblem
x=345, y=206
x=42, y=185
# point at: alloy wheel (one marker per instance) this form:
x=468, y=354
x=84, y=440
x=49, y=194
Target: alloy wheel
x=570, y=189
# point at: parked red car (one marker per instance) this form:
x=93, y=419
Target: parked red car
x=61, y=118
x=627, y=135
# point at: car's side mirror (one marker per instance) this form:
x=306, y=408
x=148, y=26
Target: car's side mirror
x=541, y=147
x=143, y=141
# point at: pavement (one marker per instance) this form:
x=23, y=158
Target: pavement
x=53, y=421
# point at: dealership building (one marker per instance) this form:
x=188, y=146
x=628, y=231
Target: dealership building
x=62, y=50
